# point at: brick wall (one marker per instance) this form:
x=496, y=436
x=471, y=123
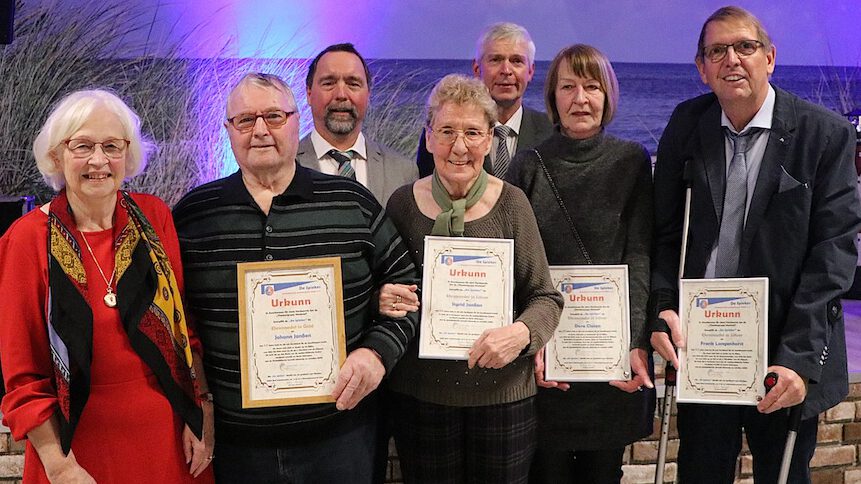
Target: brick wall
x=837, y=459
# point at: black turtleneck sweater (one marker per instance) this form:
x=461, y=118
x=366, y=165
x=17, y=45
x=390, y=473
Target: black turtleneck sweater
x=605, y=184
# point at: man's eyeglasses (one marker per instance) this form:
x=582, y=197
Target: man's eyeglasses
x=742, y=48
x=244, y=122
x=448, y=136
x=83, y=148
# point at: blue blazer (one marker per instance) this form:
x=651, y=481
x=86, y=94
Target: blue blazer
x=800, y=230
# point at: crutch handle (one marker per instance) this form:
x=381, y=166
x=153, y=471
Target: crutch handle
x=770, y=381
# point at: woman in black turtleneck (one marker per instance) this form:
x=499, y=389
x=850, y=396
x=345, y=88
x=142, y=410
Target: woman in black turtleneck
x=604, y=183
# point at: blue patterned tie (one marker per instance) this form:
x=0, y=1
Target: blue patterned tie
x=503, y=157
x=345, y=166
x=734, y=204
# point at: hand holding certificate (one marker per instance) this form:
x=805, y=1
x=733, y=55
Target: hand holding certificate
x=467, y=288
x=724, y=323
x=291, y=331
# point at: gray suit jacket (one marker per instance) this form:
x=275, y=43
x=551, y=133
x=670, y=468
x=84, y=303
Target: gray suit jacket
x=387, y=169
x=534, y=128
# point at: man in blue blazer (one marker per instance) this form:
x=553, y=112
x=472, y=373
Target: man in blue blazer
x=338, y=86
x=505, y=62
x=797, y=216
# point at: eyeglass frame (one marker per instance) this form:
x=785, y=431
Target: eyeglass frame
x=759, y=44
x=100, y=144
x=461, y=133
x=287, y=115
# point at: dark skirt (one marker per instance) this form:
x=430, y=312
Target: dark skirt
x=593, y=416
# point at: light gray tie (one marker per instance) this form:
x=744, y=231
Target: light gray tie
x=734, y=204
x=503, y=157
x=345, y=165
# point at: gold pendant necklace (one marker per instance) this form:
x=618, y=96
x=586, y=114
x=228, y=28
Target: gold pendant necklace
x=110, y=298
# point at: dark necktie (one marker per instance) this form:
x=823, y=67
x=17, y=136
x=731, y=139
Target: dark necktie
x=345, y=166
x=503, y=157
x=734, y=204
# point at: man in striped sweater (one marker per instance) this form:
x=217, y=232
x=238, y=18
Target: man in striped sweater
x=274, y=209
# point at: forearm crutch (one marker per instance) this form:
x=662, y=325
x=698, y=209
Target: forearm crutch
x=670, y=371
x=792, y=431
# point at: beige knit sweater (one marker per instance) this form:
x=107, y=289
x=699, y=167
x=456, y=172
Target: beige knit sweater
x=536, y=303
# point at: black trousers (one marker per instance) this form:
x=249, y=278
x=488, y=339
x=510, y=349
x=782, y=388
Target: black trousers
x=710, y=441
x=577, y=466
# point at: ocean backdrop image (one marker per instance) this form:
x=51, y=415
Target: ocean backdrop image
x=648, y=92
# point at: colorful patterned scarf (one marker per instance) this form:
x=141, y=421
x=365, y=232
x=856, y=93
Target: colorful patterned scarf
x=149, y=303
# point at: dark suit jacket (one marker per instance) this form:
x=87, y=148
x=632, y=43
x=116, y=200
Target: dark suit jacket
x=800, y=229
x=387, y=169
x=534, y=128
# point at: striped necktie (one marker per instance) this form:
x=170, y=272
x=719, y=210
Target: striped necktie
x=345, y=166
x=503, y=157
x=734, y=205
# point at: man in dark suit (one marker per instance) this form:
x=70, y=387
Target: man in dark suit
x=788, y=211
x=505, y=62
x=338, y=87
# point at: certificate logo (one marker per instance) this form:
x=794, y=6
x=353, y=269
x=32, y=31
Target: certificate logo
x=271, y=289
x=722, y=302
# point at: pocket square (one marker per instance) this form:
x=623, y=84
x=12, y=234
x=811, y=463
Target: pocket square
x=788, y=182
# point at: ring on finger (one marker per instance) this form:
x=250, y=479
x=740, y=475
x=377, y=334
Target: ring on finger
x=393, y=307
x=397, y=299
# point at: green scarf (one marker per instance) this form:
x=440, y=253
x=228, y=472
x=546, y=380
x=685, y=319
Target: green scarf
x=450, y=221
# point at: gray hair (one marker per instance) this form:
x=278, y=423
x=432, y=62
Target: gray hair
x=461, y=90
x=505, y=31
x=262, y=79
x=67, y=117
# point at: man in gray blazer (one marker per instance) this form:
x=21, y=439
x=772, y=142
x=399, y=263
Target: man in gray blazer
x=505, y=62
x=338, y=86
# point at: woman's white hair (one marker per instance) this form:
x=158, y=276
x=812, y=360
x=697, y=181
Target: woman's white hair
x=67, y=117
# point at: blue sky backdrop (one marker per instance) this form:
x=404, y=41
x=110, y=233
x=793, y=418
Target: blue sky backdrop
x=806, y=32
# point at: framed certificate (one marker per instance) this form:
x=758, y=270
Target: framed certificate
x=291, y=331
x=593, y=339
x=724, y=324
x=467, y=287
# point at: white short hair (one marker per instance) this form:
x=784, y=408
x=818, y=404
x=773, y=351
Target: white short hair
x=69, y=114
x=505, y=31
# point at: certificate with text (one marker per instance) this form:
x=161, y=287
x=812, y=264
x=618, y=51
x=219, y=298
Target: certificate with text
x=467, y=288
x=291, y=331
x=724, y=323
x=593, y=339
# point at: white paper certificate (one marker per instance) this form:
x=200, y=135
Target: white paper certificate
x=291, y=331
x=593, y=339
x=724, y=324
x=467, y=287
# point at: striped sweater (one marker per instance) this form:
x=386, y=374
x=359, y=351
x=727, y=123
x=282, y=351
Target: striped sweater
x=318, y=215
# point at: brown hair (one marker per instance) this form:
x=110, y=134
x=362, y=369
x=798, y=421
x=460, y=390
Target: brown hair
x=588, y=62
x=730, y=13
